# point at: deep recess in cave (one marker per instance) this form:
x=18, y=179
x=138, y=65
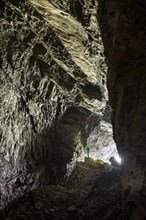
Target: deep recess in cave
x=56, y=132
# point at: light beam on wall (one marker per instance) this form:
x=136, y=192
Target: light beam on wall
x=118, y=158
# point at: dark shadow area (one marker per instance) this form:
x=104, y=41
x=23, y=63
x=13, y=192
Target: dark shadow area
x=93, y=191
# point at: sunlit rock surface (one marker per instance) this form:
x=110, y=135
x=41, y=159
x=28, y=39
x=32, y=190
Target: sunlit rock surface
x=98, y=140
x=101, y=143
x=52, y=80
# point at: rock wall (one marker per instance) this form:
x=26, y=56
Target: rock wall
x=52, y=79
x=123, y=25
x=101, y=143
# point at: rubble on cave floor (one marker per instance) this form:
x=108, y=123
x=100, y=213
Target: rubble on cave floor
x=92, y=192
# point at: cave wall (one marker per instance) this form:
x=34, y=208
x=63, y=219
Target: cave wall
x=123, y=26
x=52, y=70
x=101, y=143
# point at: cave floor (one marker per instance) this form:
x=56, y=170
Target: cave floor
x=92, y=192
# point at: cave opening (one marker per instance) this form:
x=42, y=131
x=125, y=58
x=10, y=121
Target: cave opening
x=58, y=157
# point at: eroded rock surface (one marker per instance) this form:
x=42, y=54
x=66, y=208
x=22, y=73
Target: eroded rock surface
x=100, y=142
x=123, y=25
x=52, y=79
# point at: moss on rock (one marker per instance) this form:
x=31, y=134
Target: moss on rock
x=90, y=161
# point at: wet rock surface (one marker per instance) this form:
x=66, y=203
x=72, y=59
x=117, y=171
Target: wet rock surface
x=92, y=192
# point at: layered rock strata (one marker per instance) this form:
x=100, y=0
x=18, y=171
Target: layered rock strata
x=52, y=79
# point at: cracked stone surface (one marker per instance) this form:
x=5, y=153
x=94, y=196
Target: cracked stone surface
x=53, y=78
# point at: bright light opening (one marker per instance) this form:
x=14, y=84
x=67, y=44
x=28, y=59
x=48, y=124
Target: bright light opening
x=118, y=159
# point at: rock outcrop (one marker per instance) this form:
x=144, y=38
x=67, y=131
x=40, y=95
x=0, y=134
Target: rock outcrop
x=123, y=25
x=53, y=78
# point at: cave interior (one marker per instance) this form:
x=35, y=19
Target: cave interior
x=73, y=110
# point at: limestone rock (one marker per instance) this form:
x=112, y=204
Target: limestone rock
x=52, y=79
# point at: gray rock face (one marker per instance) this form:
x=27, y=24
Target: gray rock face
x=123, y=25
x=101, y=143
x=52, y=80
